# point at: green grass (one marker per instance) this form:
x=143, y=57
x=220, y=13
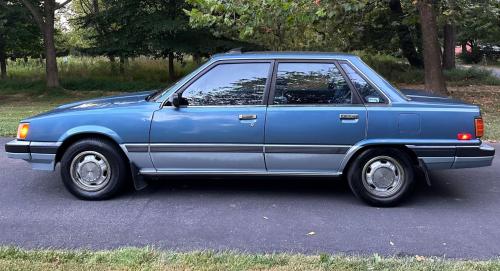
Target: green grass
x=89, y=74
x=151, y=259
x=15, y=107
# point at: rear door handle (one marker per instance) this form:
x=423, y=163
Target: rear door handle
x=348, y=116
x=247, y=117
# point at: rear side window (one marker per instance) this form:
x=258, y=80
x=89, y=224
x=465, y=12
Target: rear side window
x=229, y=84
x=368, y=93
x=310, y=83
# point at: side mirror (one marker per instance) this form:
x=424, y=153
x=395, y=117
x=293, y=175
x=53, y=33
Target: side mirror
x=176, y=101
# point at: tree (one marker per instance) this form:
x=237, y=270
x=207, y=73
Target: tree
x=477, y=22
x=434, y=78
x=272, y=24
x=157, y=28
x=449, y=40
x=43, y=13
x=19, y=36
x=406, y=42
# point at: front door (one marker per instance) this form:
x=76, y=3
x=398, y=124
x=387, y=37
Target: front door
x=221, y=129
x=314, y=117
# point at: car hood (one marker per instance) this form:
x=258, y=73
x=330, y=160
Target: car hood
x=420, y=96
x=112, y=101
x=124, y=100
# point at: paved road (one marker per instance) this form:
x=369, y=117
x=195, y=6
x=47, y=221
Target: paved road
x=459, y=216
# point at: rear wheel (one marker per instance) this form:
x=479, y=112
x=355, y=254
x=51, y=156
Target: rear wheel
x=381, y=176
x=93, y=169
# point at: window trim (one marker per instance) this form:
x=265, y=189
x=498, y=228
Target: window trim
x=355, y=96
x=182, y=88
x=367, y=80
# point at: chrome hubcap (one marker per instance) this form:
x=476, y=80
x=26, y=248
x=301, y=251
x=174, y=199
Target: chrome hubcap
x=383, y=176
x=90, y=171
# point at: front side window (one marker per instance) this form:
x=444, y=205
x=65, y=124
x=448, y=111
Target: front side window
x=368, y=93
x=310, y=83
x=229, y=84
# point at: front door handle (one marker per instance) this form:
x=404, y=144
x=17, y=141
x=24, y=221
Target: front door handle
x=349, y=116
x=247, y=117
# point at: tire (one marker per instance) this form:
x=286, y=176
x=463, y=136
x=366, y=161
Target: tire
x=381, y=177
x=94, y=169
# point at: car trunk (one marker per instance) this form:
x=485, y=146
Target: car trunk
x=426, y=97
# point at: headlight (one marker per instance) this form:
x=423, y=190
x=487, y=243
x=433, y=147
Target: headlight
x=22, y=130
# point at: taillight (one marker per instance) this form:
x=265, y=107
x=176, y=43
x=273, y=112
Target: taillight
x=479, y=124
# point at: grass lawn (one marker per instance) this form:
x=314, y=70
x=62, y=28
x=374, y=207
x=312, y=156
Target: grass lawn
x=150, y=259
x=15, y=107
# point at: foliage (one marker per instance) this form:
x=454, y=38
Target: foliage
x=129, y=28
x=478, y=25
x=298, y=25
x=18, y=33
x=273, y=24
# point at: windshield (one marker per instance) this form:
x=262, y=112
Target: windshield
x=157, y=95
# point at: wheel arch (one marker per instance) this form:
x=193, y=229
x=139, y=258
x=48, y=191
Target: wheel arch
x=70, y=140
x=357, y=150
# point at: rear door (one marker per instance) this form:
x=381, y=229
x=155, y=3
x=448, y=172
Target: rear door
x=314, y=116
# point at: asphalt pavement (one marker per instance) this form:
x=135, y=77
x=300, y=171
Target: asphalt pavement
x=457, y=217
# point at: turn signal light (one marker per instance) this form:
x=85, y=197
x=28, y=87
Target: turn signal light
x=464, y=136
x=478, y=122
x=22, y=130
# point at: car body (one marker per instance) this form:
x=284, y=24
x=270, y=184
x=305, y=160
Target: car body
x=285, y=114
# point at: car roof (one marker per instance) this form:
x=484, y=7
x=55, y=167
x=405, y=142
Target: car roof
x=283, y=55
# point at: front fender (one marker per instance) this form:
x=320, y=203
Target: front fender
x=91, y=129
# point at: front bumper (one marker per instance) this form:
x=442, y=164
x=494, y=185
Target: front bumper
x=41, y=155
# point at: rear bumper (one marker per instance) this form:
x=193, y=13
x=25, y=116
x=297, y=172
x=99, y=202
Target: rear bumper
x=41, y=155
x=446, y=157
x=481, y=156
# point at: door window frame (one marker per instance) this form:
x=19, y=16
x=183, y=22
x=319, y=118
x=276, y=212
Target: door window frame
x=221, y=62
x=355, y=97
x=367, y=80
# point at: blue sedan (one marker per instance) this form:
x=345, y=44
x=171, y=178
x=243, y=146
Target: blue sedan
x=259, y=114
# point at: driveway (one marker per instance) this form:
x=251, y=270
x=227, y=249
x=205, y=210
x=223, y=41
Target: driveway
x=459, y=216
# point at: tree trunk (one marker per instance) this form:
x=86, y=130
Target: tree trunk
x=112, y=61
x=171, y=72
x=50, y=48
x=122, y=65
x=434, y=78
x=197, y=58
x=3, y=59
x=449, y=47
x=406, y=43
x=464, y=47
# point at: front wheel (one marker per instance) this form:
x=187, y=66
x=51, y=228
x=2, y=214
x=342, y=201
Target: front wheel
x=93, y=169
x=381, y=176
